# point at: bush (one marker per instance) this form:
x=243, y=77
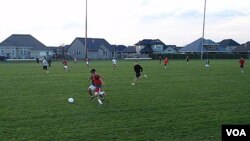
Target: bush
x=2, y=58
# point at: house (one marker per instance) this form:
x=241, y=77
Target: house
x=170, y=49
x=118, y=51
x=209, y=46
x=243, y=49
x=97, y=48
x=23, y=46
x=129, y=52
x=59, y=52
x=228, y=45
x=149, y=46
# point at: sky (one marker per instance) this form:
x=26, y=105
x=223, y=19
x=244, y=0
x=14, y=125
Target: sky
x=125, y=22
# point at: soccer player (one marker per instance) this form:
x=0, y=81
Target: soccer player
x=45, y=65
x=65, y=63
x=87, y=61
x=96, y=83
x=37, y=60
x=207, y=64
x=160, y=59
x=242, y=62
x=166, y=62
x=187, y=59
x=138, y=70
x=49, y=62
x=114, y=63
x=75, y=60
x=91, y=88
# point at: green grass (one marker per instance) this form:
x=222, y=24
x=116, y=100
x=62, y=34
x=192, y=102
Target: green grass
x=182, y=103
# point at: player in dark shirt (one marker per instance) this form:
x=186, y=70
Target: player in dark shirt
x=138, y=70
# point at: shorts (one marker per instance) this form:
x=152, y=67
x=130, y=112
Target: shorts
x=87, y=62
x=98, y=88
x=241, y=66
x=45, y=68
x=65, y=67
x=138, y=75
x=92, y=87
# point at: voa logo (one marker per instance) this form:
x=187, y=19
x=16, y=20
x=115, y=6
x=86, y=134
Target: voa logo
x=236, y=132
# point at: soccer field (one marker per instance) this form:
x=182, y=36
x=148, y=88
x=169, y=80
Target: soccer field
x=185, y=102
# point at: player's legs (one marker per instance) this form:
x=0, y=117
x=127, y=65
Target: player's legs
x=97, y=94
x=91, y=89
x=241, y=68
x=137, y=76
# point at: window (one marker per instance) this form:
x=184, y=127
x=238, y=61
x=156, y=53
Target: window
x=78, y=53
x=2, y=52
x=105, y=53
x=23, y=51
x=13, y=51
x=158, y=47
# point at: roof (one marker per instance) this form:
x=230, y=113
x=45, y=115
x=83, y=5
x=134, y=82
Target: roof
x=228, y=42
x=243, y=48
x=23, y=40
x=119, y=48
x=130, y=49
x=197, y=44
x=95, y=43
x=147, y=50
x=149, y=42
x=170, y=46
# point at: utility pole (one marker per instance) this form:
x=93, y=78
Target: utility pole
x=86, y=32
x=203, y=30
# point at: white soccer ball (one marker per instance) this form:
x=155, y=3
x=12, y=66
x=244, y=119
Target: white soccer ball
x=71, y=100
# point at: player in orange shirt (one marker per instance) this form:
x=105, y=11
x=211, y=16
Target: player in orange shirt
x=166, y=62
x=242, y=62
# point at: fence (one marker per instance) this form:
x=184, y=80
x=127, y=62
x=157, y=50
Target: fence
x=198, y=56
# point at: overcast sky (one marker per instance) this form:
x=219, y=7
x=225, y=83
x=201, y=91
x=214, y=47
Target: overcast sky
x=179, y=22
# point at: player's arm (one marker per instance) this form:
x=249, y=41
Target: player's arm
x=101, y=81
x=141, y=69
x=90, y=77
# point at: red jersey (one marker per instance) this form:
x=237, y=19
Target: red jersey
x=65, y=62
x=97, y=80
x=166, y=61
x=242, y=61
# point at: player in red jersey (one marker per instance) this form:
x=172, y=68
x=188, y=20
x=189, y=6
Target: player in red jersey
x=242, y=62
x=96, y=86
x=166, y=62
x=65, y=63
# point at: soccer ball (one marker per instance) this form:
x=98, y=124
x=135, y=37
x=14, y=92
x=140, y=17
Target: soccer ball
x=71, y=100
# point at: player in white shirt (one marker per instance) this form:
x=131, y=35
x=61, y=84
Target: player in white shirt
x=45, y=65
x=114, y=63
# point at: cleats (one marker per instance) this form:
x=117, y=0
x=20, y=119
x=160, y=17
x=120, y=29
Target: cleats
x=100, y=102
